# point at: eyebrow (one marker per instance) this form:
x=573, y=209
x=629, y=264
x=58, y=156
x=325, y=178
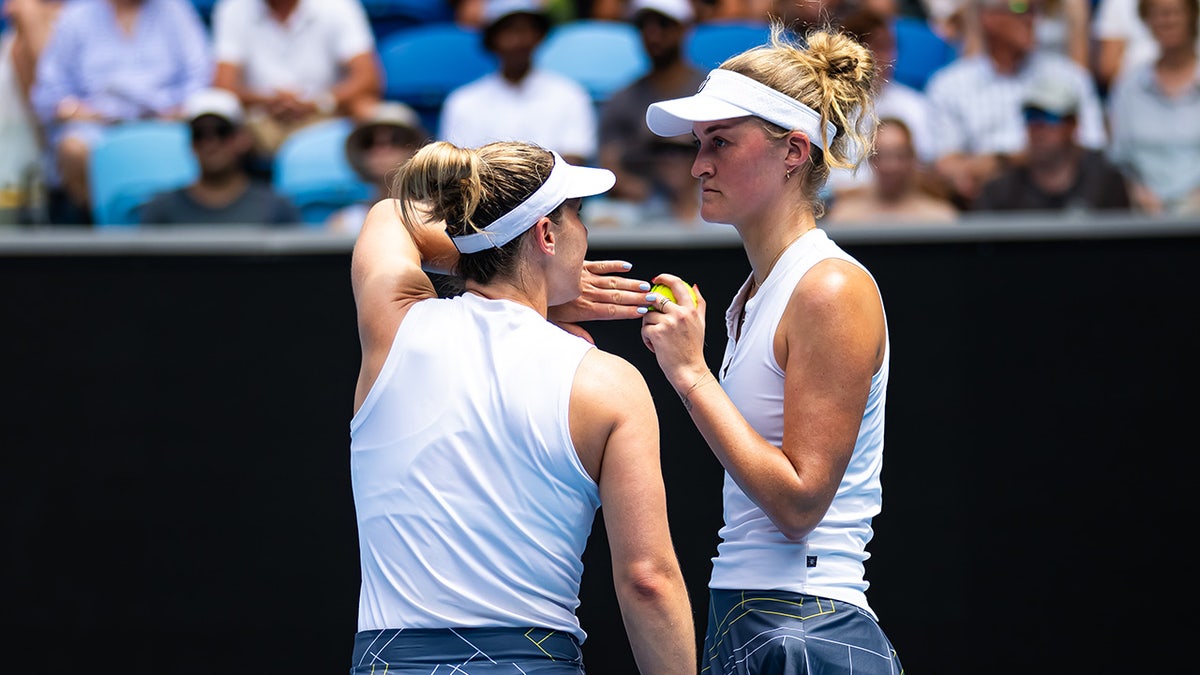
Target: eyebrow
x=712, y=128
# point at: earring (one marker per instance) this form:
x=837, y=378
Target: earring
x=787, y=175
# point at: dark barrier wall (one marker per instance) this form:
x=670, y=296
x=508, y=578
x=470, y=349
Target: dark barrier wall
x=174, y=439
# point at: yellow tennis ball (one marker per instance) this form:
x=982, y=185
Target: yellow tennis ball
x=665, y=291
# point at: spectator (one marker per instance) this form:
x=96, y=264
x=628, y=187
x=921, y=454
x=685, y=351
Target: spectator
x=977, y=99
x=1057, y=174
x=295, y=62
x=893, y=98
x=1122, y=40
x=520, y=102
x=898, y=192
x=109, y=61
x=1155, y=113
x=627, y=147
x=21, y=42
x=225, y=193
x=377, y=147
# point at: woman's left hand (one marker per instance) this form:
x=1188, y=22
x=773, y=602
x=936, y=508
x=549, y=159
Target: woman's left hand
x=604, y=295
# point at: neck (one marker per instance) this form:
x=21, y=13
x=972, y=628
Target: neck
x=515, y=72
x=1005, y=60
x=219, y=189
x=282, y=9
x=1057, y=174
x=1181, y=57
x=511, y=291
x=766, y=250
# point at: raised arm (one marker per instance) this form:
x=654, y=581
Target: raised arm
x=615, y=428
x=387, y=271
x=830, y=343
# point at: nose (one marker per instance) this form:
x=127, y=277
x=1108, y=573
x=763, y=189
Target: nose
x=701, y=167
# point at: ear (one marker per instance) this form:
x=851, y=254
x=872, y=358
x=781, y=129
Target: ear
x=799, y=149
x=543, y=235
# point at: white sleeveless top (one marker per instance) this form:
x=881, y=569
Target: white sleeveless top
x=473, y=506
x=753, y=553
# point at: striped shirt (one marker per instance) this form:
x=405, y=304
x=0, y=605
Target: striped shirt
x=978, y=110
x=123, y=76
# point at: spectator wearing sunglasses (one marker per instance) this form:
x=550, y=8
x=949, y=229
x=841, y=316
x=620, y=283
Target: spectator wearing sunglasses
x=224, y=193
x=376, y=148
x=1057, y=174
x=976, y=99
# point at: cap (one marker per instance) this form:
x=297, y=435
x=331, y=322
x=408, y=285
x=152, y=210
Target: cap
x=385, y=114
x=679, y=10
x=566, y=181
x=495, y=11
x=1054, y=95
x=726, y=95
x=214, y=101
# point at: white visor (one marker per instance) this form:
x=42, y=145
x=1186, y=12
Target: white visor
x=566, y=181
x=727, y=95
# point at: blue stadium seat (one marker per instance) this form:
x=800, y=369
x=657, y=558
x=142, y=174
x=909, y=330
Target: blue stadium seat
x=708, y=44
x=603, y=56
x=133, y=162
x=423, y=64
x=311, y=169
x=919, y=51
x=389, y=16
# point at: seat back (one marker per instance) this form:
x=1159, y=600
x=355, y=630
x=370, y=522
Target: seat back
x=423, y=64
x=708, y=44
x=919, y=51
x=601, y=55
x=134, y=161
x=310, y=168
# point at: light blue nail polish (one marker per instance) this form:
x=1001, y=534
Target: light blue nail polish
x=627, y=266
x=643, y=310
x=652, y=298
x=644, y=286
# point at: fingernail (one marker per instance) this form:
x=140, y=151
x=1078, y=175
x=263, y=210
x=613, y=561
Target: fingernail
x=642, y=310
x=652, y=298
x=627, y=266
x=644, y=286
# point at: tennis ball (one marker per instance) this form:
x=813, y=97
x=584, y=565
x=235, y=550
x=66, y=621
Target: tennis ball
x=665, y=291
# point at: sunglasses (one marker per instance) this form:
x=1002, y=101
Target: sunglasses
x=384, y=136
x=216, y=130
x=1039, y=116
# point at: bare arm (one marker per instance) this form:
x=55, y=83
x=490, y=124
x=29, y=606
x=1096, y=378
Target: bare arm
x=361, y=84
x=615, y=427
x=387, y=277
x=830, y=342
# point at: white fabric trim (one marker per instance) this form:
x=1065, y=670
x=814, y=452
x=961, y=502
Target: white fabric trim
x=565, y=182
x=725, y=95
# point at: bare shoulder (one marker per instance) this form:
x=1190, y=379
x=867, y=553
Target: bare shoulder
x=834, y=283
x=612, y=413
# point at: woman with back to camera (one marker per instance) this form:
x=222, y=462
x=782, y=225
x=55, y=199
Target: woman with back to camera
x=485, y=437
x=796, y=417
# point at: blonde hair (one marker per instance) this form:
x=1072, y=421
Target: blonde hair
x=831, y=73
x=469, y=188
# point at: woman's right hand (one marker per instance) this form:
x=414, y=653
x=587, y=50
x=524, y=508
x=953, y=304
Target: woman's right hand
x=674, y=331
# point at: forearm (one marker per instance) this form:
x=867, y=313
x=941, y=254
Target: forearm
x=762, y=470
x=658, y=621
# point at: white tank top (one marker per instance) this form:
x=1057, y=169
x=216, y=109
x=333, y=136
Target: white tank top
x=473, y=506
x=753, y=553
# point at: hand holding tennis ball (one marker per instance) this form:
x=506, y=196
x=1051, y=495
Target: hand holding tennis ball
x=665, y=291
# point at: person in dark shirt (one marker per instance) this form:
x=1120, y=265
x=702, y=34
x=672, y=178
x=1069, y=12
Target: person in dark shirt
x=1057, y=174
x=225, y=193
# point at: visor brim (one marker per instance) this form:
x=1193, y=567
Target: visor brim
x=675, y=116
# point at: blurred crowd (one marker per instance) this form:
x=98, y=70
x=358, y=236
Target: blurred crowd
x=1043, y=105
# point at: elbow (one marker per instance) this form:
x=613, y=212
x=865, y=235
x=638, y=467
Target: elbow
x=650, y=582
x=795, y=529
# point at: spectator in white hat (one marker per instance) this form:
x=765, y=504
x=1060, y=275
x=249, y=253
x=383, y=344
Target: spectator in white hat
x=375, y=149
x=225, y=193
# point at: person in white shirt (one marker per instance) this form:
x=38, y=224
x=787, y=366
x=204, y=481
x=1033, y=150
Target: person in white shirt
x=294, y=62
x=520, y=102
x=796, y=416
x=485, y=437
